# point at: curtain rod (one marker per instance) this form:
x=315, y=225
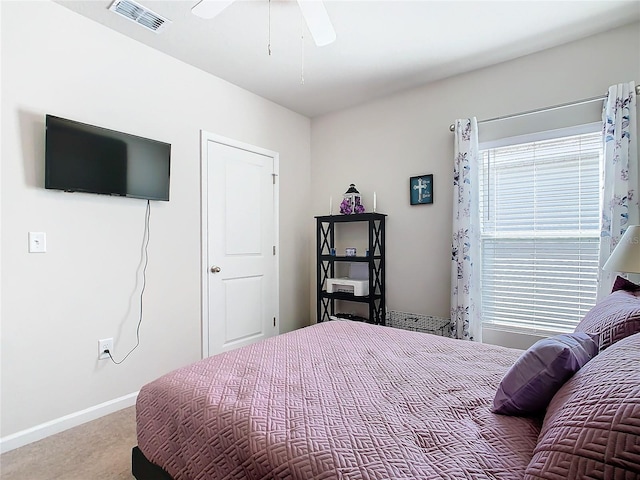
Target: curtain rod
x=452, y=127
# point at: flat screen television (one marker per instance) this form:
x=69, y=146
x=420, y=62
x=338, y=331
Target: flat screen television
x=91, y=159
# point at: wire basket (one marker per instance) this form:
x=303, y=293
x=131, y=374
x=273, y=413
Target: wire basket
x=419, y=323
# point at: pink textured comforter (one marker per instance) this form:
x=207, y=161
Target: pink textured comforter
x=337, y=400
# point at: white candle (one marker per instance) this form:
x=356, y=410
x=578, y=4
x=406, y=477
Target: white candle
x=330, y=205
x=374, y=202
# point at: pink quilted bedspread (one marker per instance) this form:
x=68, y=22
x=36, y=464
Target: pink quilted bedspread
x=337, y=400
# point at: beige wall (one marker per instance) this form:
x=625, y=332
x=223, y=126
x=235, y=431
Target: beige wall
x=55, y=306
x=379, y=145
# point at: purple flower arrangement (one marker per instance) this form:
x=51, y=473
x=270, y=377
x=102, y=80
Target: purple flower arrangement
x=347, y=209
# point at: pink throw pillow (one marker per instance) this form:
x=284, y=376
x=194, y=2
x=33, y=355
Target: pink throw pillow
x=613, y=318
x=592, y=426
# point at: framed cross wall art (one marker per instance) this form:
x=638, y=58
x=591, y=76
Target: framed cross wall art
x=421, y=189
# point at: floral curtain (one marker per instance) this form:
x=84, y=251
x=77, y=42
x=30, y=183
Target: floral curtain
x=619, y=175
x=466, y=322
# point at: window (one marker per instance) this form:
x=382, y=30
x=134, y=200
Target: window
x=539, y=214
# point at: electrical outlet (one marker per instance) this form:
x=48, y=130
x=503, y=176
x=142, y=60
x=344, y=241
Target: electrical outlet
x=104, y=345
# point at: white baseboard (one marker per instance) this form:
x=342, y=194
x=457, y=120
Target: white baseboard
x=33, y=434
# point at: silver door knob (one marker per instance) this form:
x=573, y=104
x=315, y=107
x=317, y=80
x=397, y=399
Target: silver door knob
x=215, y=269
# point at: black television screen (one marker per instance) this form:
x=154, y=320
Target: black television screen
x=86, y=158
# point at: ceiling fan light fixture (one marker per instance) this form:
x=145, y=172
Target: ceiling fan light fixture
x=314, y=13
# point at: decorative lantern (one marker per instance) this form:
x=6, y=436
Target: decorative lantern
x=352, y=202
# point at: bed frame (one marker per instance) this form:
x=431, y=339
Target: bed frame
x=143, y=469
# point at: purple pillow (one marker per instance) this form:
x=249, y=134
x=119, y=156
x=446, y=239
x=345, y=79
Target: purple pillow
x=592, y=426
x=613, y=318
x=624, y=284
x=538, y=374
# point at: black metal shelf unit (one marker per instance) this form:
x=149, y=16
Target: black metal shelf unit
x=325, y=241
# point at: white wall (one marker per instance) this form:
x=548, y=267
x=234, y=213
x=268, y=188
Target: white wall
x=55, y=306
x=379, y=145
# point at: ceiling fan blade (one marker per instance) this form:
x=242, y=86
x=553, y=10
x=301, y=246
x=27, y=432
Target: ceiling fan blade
x=210, y=8
x=315, y=14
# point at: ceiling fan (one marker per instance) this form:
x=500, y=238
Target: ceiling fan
x=313, y=11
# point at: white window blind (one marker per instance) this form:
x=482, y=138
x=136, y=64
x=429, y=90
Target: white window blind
x=539, y=232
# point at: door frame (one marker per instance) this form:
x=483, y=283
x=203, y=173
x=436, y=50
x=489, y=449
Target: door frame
x=205, y=138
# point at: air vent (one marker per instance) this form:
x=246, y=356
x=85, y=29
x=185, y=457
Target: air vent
x=139, y=14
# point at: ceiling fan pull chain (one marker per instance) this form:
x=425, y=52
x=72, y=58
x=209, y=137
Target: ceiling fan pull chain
x=269, y=45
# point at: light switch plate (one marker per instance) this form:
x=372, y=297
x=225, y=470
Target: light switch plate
x=37, y=242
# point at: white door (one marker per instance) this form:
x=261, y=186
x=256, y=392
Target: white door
x=240, y=283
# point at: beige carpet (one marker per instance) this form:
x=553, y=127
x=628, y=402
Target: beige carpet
x=98, y=450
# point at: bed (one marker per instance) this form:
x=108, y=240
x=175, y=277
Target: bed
x=349, y=400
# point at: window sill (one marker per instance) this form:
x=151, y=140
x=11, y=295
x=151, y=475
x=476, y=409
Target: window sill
x=511, y=338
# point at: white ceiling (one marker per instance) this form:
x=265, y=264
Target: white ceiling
x=382, y=46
